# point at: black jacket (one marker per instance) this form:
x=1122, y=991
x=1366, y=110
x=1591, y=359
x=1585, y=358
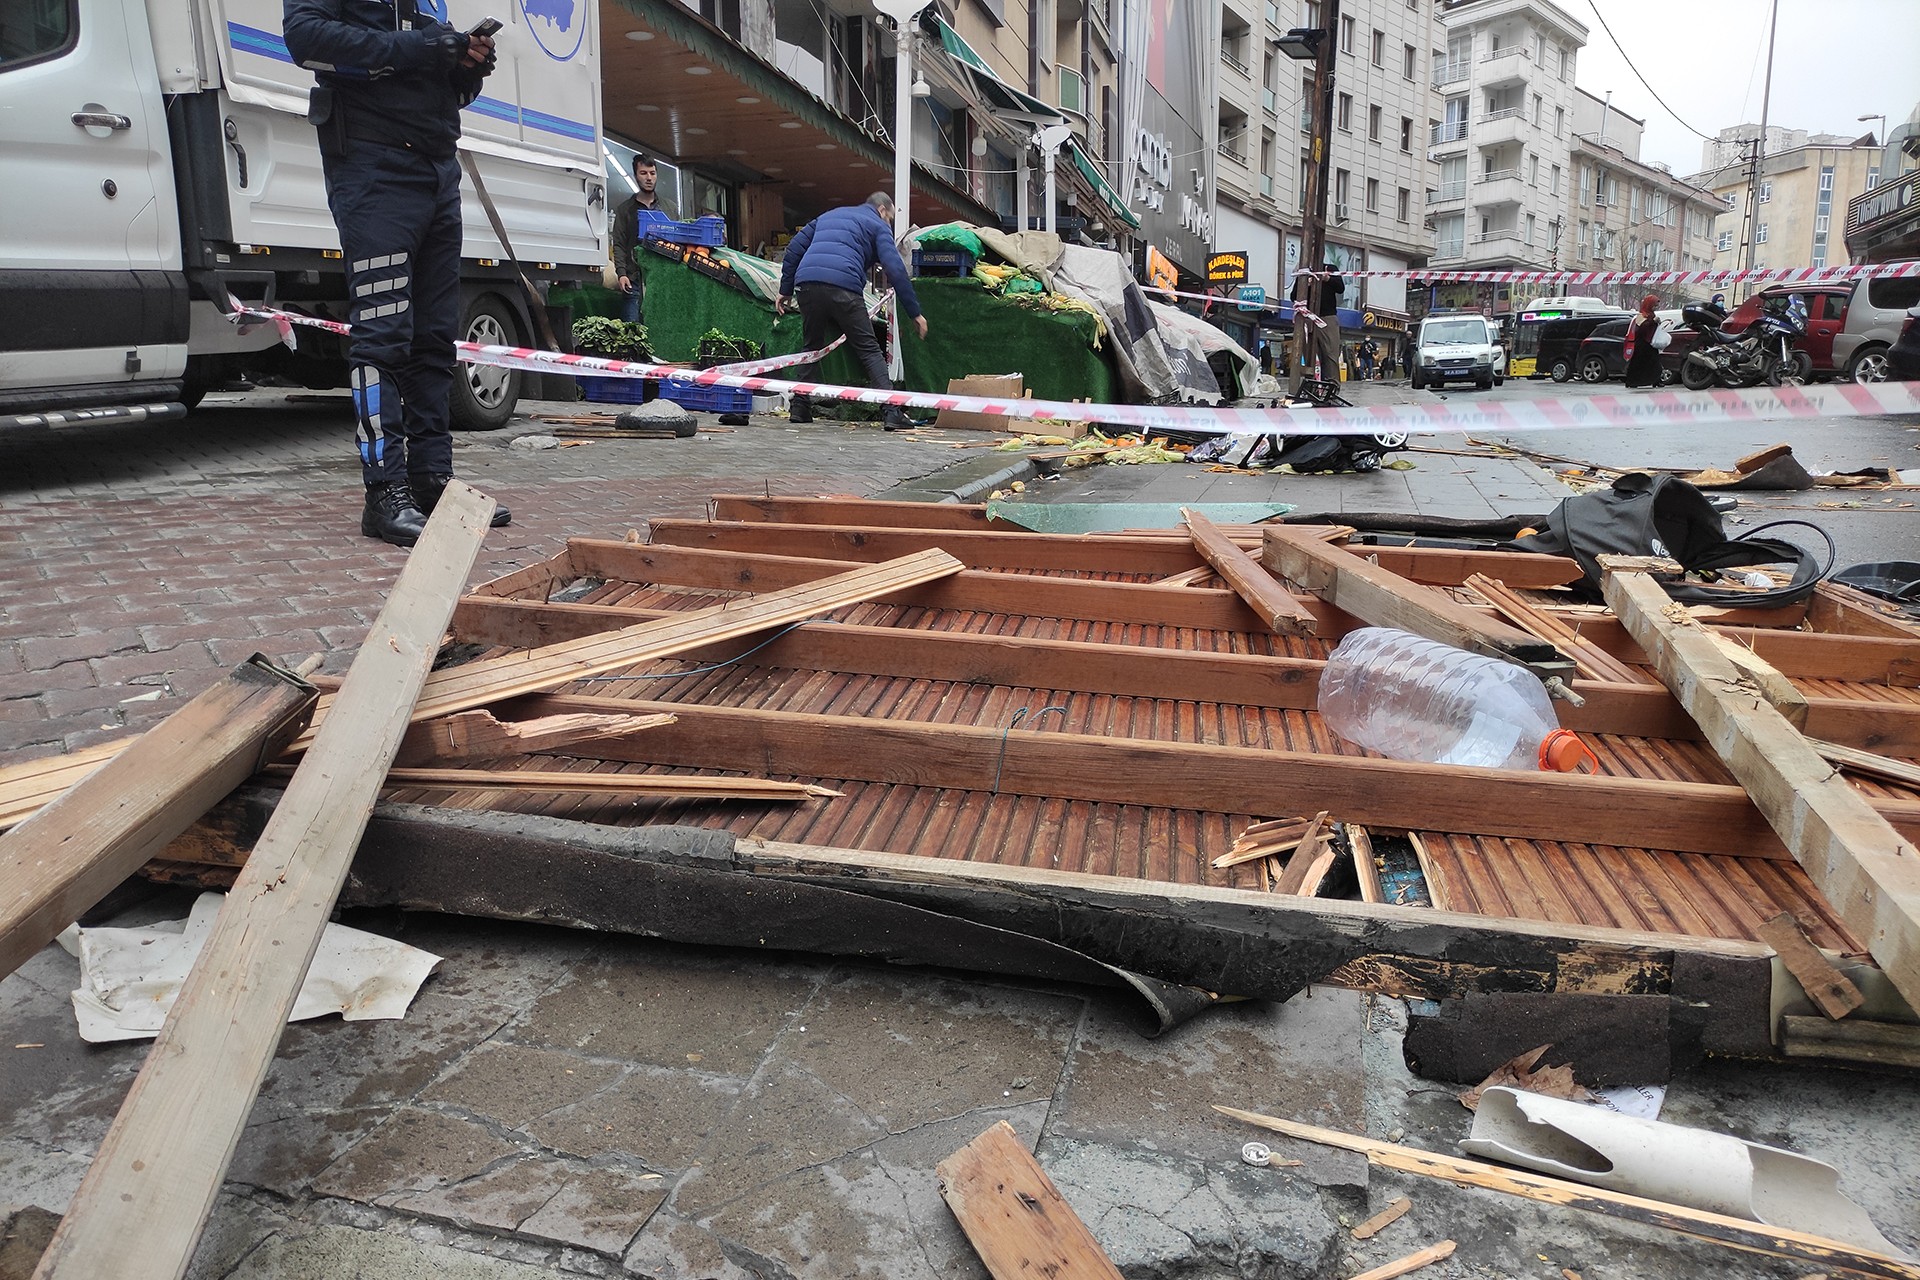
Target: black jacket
x=386, y=73
x=626, y=231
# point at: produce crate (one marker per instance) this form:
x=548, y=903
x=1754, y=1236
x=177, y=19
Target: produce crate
x=710, y=230
x=695, y=398
x=942, y=262
x=617, y=390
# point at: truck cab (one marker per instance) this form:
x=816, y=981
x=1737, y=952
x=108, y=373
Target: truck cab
x=159, y=167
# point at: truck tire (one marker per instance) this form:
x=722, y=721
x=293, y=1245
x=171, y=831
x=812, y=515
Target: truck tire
x=484, y=395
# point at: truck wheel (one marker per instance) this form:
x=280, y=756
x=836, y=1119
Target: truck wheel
x=484, y=395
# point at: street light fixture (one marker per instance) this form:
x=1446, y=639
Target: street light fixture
x=1302, y=44
x=1881, y=135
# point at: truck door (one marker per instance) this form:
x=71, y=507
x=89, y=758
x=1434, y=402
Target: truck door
x=91, y=288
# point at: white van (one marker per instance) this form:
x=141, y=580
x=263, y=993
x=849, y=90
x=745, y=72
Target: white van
x=157, y=158
x=1458, y=346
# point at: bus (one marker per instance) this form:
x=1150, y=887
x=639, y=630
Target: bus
x=1548, y=334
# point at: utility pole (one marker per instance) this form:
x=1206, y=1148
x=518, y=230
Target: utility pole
x=1313, y=238
x=1760, y=143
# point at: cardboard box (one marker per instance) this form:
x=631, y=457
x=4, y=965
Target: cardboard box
x=997, y=386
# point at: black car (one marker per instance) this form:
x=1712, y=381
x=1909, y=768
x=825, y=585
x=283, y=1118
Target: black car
x=1602, y=354
x=1903, y=357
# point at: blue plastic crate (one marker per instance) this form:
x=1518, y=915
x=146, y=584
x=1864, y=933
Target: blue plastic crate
x=942, y=262
x=710, y=230
x=616, y=390
x=693, y=397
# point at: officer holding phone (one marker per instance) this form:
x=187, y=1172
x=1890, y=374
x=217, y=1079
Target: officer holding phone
x=392, y=77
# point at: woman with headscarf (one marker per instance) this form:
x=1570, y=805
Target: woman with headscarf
x=1643, y=358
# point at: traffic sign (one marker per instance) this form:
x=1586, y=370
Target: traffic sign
x=1251, y=297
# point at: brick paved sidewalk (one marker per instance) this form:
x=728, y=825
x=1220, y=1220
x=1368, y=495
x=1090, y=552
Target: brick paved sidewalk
x=139, y=563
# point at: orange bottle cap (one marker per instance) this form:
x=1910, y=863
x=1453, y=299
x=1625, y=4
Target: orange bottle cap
x=1563, y=752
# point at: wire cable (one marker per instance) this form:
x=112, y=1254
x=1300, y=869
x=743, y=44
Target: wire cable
x=1594, y=5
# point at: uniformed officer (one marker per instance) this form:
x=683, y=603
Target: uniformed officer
x=392, y=78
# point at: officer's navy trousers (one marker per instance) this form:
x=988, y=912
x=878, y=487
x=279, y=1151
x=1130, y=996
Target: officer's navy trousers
x=398, y=211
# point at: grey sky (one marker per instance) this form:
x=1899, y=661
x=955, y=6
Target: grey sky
x=1833, y=60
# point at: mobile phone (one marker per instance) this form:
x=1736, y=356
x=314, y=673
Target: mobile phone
x=487, y=27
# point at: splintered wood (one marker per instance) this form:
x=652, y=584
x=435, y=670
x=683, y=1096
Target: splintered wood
x=1015, y=1218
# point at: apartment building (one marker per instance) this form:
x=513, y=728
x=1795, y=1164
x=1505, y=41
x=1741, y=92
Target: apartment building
x=1501, y=140
x=1378, y=169
x=1794, y=209
x=1628, y=215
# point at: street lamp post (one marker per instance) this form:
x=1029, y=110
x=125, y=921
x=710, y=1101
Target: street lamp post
x=1050, y=140
x=1319, y=46
x=903, y=13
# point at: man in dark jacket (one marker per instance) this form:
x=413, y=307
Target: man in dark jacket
x=392, y=78
x=1316, y=333
x=829, y=261
x=626, y=232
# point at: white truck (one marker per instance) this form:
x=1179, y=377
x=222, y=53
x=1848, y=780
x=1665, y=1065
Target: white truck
x=155, y=158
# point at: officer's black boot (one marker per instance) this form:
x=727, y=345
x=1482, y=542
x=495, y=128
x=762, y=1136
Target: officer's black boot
x=897, y=419
x=799, y=409
x=391, y=516
x=427, y=491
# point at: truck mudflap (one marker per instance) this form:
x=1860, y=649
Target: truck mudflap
x=157, y=412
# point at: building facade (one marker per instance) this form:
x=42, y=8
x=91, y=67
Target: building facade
x=1793, y=212
x=1626, y=215
x=1500, y=137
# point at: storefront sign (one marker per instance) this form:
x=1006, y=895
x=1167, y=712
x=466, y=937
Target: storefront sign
x=1227, y=268
x=1161, y=274
x=1251, y=297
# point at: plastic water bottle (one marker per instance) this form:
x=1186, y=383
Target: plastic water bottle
x=1411, y=698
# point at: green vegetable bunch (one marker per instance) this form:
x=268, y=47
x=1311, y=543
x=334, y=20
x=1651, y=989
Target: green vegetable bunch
x=611, y=339
x=721, y=347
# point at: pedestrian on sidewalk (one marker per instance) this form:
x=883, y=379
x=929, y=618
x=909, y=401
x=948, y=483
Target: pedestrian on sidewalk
x=1368, y=350
x=1316, y=325
x=387, y=107
x=1643, y=357
x=626, y=234
x=828, y=263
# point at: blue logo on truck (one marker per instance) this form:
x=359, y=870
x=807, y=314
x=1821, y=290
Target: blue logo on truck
x=550, y=22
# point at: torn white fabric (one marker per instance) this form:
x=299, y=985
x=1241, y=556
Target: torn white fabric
x=1660, y=1161
x=130, y=977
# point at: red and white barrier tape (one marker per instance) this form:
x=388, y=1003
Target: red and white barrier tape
x=1455, y=416
x=799, y=357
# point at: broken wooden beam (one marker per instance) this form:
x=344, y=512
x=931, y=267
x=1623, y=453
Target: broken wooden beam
x=1871, y=763
x=635, y=785
x=1831, y=991
x=145, y=1198
x=1411, y=1263
x=1739, y=1233
x=1867, y=871
x=1593, y=661
x=1264, y=594
x=1876, y=1044
x=480, y=735
x=65, y=858
x=1013, y=1215
x=1382, y=598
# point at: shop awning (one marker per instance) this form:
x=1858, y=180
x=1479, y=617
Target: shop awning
x=1091, y=172
x=995, y=94
x=677, y=85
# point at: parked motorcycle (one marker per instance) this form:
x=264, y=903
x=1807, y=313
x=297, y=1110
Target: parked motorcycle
x=1763, y=352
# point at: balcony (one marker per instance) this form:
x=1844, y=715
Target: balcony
x=1446, y=133
x=1227, y=56
x=1505, y=66
x=1498, y=246
x=1446, y=73
x=1234, y=154
x=1497, y=128
x=1501, y=187
x=1447, y=193
x=1449, y=250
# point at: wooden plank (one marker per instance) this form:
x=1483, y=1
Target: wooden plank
x=141, y=1207
x=606, y=784
x=1868, y=872
x=1158, y=554
x=1774, y=687
x=1870, y=763
x=1412, y=1262
x=1385, y=599
x=535, y=582
x=1879, y=1044
x=1684, y=816
x=65, y=858
x=1639, y=710
x=1013, y=1215
x=1264, y=593
x=1360, y=840
x=1738, y=1233
x=1845, y=610
x=480, y=735
x=1593, y=661
x=1382, y=1220
x=1306, y=858
x=1830, y=990
x=787, y=509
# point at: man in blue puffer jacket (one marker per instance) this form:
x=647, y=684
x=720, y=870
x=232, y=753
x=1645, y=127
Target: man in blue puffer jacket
x=829, y=261
x=392, y=77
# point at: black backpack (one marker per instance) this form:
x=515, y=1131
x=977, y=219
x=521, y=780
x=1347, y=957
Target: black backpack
x=1664, y=515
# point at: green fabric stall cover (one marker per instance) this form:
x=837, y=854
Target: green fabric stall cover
x=970, y=331
x=587, y=300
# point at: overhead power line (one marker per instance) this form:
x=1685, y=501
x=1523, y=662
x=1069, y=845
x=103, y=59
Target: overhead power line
x=1593, y=4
